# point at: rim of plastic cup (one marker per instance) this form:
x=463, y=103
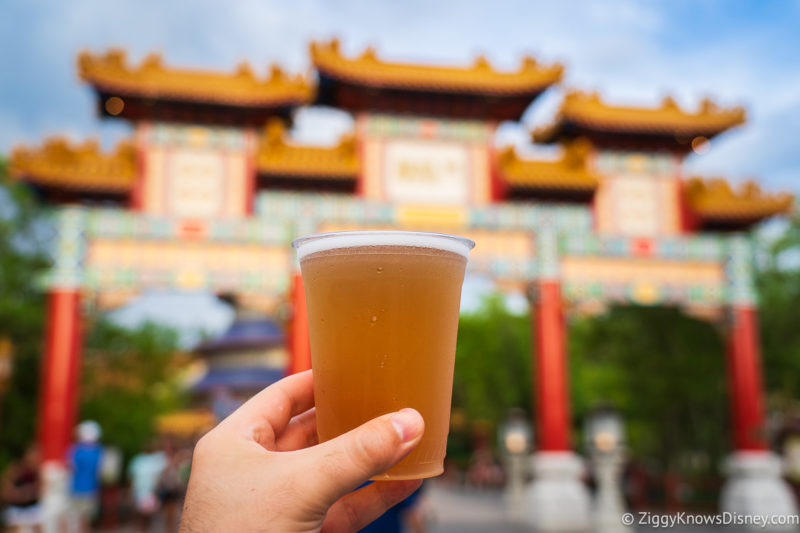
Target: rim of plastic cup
x=320, y=242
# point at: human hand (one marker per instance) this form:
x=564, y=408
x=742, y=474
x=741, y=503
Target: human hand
x=262, y=468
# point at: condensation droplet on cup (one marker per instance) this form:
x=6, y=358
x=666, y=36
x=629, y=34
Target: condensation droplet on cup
x=380, y=270
x=373, y=320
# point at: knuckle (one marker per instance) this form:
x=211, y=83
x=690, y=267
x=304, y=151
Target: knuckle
x=351, y=513
x=373, y=448
x=204, y=447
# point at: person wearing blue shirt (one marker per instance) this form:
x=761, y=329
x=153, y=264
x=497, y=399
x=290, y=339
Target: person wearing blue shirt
x=85, y=457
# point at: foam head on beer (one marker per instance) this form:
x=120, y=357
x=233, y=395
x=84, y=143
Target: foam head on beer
x=383, y=318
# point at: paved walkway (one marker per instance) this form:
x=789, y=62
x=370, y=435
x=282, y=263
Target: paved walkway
x=457, y=510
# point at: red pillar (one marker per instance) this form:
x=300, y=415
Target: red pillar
x=58, y=393
x=744, y=380
x=299, y=347
x=552, y=405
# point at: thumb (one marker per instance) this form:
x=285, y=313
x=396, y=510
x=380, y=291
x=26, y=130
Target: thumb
x=349, y=460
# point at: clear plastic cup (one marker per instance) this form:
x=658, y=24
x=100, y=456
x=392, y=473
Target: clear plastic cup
x=383, y=317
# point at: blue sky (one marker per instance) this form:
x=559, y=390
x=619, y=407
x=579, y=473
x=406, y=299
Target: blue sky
x=738, y=52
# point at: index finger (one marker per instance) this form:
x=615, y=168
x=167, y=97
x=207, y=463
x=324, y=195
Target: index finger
x=271, y=409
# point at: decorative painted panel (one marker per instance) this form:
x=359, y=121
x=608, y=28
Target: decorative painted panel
x=168, y=135
x=567, y=219
x=643, y=281
x=194, y=171
x=426, y=172
x=121, y=264
x=410, y=161
x=638, y=194
x=474, y=131
x=710, y=248
x=505, y=255
x=110, y=251
x=194, y=185
x=125, y=225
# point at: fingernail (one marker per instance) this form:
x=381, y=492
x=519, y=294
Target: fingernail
x=408, y=423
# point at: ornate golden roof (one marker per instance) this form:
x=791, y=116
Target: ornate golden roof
x=715, y=199
x=567, y=173
x=151, y=79
x=276, y=156
x=58, y=164
x=481, y=77
x=588, y=110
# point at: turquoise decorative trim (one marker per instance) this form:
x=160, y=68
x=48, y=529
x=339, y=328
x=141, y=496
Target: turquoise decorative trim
x=558, y=231
x=739, y=270
x=704, y=247
x=68, y=250
x=458, y=130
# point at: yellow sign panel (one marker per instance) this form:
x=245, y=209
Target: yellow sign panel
x=659, y=271
x=432, y=217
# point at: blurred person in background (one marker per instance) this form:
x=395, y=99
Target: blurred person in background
x=21, y=489
x=484, y=470
x=172, y=484
x=85, y=458
x=145, y=472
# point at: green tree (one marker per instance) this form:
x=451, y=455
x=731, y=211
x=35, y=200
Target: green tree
x=21, y=311
x=128, y=379
x=493, y=362
x=778, y=284
x=665, y=372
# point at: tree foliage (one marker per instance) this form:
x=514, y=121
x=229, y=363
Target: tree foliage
x=128, y=379
x=493, y=362
x=663, y=369
x=21, y=312
x=778, y=283
x=665, y=372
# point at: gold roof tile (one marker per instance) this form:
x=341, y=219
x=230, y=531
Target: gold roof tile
x=716, y=199
x=110, y=72
x=58, y=164
x=277, y=156
x=588, y=110
x=480, y=77
x=569, y=172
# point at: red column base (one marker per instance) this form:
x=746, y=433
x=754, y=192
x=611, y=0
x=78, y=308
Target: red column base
x=299, y=345
x=744, y=381
x=59, y=387
x=552, y=406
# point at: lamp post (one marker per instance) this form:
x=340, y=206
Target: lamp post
x=516, y=437
x=605, y=435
